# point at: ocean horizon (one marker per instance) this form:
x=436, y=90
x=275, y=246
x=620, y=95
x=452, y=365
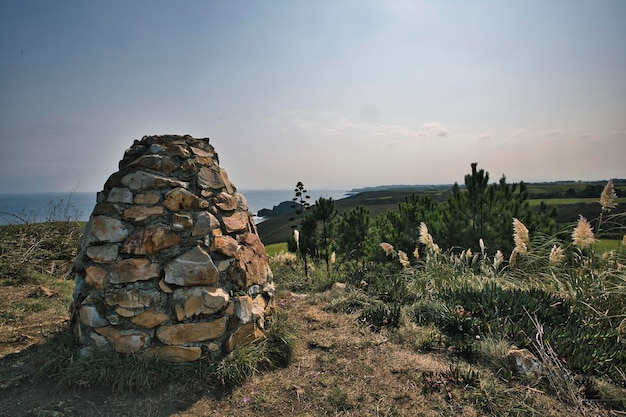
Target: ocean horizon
x=17, y=208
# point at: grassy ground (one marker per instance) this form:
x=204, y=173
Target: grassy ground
x=391, y=342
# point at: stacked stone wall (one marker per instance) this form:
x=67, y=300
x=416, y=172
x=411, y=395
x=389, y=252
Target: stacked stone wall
x=170, y=262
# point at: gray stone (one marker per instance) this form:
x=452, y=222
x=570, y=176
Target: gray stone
x=90, y=316
x=107, y=229
x=132, y=270
x=194, y=267
x=120, y=195
x=143, y=181
x=103, y=254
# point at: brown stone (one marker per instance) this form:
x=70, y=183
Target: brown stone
x=193, y=301
x=175, y=353
x=149, y=319
x=204, y=160
x=244, y=335
x=124, y=312
x=94, y=276
x=188, y=165
x=180, y=334
x=238, y=222
x=134, y=269
x=124, y=341
x=194, y=267
x=165, y=287
x=225, y=201
x=140, y=213
x=147, y=199
x=142, y=181
x=200, y=152
x=253, y=263
x=177, y=149
x=205, y=222
x=107, y=229
x=225, y=245
x=215, y=299
x=103, y=254
x=150, y=240
x=229, y=187
x=180, y=199
x=182, y=221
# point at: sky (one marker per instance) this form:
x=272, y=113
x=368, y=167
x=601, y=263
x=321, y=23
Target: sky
x=338, y=94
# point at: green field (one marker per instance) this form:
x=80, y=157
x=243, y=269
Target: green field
x=563, y=201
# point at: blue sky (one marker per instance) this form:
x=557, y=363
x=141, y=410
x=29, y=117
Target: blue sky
x=337, y=94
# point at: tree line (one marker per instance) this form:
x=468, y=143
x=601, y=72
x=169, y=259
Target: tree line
x=480, y=210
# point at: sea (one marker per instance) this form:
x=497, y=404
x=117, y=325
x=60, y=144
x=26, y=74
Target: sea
x=22, y=208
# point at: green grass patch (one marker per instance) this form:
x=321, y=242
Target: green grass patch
x=606, y=245
x=276, y=248
x=561, y=201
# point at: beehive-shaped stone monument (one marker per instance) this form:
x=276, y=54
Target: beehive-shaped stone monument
x=170, y=262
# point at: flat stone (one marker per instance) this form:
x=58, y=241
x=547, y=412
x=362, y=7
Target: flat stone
x=200, y=152
x=103, y=254
x=193, y=301
x=150, y=319
x=225, y=245
x=238, y=222
x=140, y=213
x=225, y=201
x=177, y=149
x=205, y=222
x=125, y=312
x=142, y=181
x=150, y=240
x=180, y=334
x=194, y=267
x=124, y=341
x=147, y=199
x=244, y=335
x=120, y=195
x=175, y=353
x=107, y=229
x=180, y=199
x=215, y=299
x=94, y=276
x=132, y=298
x=149, y=161
x=134, y=269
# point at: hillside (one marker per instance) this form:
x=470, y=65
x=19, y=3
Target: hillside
x=570, y=198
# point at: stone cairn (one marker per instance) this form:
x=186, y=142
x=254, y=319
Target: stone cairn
x=170, y=263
